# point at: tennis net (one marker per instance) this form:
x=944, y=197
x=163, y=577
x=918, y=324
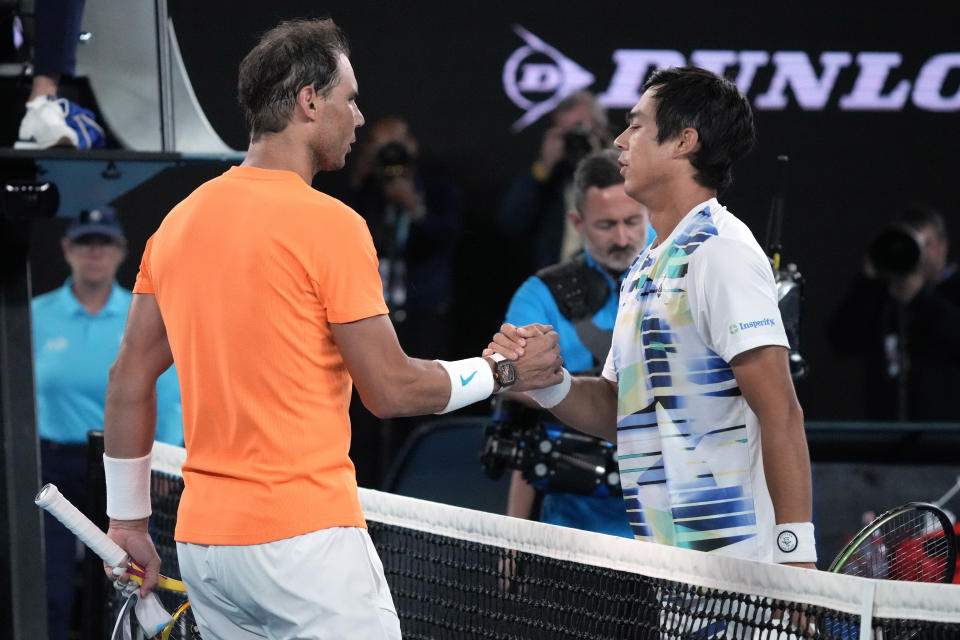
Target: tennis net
x=460, y=574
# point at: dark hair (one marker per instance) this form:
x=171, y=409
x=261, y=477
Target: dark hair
x=289, y=57
x=600, y=170
x=697, y=98
x=917, y=216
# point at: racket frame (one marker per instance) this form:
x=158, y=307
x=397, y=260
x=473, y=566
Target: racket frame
x=864, y=535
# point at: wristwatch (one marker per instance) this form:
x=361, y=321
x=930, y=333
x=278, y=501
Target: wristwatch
x=504, y=373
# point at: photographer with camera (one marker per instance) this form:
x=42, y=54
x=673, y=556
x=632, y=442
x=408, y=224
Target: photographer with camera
x=537, y=202
x=414, y=215
x=579, y=298
x=901, y=317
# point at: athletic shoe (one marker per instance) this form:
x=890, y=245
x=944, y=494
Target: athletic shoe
x=52, y=121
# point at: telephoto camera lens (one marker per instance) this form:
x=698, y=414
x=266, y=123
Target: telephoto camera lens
x=576, y=144
x=394, y=158
x=895, y=252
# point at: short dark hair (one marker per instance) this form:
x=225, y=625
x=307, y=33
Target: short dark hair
x=600, y=169
x=917, y=216
x=289, y=57
x=711, y=104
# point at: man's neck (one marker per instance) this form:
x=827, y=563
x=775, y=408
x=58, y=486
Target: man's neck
x=669, y=207
x=281, y=151
x=92, y=296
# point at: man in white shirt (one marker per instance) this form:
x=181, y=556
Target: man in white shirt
x=696, y=390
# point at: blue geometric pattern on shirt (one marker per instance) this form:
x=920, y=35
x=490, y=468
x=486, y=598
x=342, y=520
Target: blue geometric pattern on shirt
x=728, y=514
x=650, y=473
x=712, y=509
x=699, y=231
x=711, y=544
x=718, y=494
x=638, y=523
x=713, y=523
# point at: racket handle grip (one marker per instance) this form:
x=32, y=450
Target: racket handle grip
x=90, y=534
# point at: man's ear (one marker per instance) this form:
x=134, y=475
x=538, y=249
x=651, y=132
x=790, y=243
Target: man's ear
x=308, y=102
x=576, y=219
x=687, y=142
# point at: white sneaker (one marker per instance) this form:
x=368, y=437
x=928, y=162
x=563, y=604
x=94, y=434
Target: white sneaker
x=45, y=125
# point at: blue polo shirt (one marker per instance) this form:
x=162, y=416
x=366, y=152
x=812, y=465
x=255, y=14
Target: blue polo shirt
x=73, y=351
x=533, y=302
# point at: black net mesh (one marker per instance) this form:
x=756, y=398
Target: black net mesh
x=448, y=588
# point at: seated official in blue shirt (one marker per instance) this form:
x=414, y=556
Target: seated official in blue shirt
x=76, y=335
x=579, y=298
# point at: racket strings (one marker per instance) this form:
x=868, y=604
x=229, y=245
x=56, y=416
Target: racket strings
x=910, y=546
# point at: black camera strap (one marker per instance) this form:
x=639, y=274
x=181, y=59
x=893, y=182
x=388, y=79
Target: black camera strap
x=580, y=291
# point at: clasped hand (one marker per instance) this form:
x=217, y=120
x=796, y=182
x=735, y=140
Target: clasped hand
x=535, y=352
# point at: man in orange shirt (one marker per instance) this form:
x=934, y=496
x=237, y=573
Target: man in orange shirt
x=266, y=294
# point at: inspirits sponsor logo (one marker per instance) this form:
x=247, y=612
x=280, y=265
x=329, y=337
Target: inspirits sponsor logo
x=536, y=77
x=753, y=324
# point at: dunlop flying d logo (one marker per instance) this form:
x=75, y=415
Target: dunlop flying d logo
x=536, y=77
x=538, y=69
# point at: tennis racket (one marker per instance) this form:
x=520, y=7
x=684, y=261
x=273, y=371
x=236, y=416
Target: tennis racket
x=182, y=627
x=914, y=542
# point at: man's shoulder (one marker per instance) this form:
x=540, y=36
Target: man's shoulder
x=727, y=236
x=292, y=204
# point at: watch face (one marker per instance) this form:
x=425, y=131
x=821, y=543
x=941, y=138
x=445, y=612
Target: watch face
x=506, y=373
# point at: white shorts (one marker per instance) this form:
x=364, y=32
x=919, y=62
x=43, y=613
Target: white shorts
x=328, y=584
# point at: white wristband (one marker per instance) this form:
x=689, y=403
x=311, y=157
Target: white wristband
x=471, y=380
x=549, y=397
x=794, y=542
x=128, y=487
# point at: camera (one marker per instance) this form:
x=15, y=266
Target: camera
x=394, y=158
x=790, y=297
x=550, y=458
x=895, y=252
x=577, y=144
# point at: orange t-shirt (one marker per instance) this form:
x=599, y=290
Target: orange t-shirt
x=249, y=271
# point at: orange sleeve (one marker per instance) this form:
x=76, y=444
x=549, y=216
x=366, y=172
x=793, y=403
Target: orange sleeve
x=144, y=282
x=348, y=279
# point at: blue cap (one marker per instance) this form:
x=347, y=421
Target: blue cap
x=102, y=220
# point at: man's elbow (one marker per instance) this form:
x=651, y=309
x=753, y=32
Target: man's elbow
x=795, y=414
x=127, y=382
x=115, y=375
x=381, y=409
x=382, y=403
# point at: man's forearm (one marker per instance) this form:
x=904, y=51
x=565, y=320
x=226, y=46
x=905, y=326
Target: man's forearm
x=786, y=464
x=419, y=387
x=392, y=384
x=590, y=407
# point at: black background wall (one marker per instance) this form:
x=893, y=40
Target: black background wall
x=441, y=65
